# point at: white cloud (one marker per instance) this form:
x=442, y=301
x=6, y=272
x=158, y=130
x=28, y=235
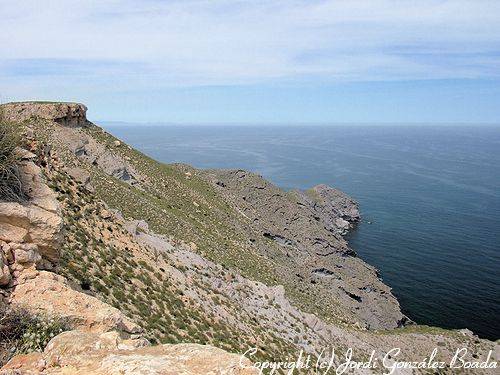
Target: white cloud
x=173, y=43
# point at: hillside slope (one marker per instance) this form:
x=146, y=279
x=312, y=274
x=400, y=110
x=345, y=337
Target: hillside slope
x=209, y=257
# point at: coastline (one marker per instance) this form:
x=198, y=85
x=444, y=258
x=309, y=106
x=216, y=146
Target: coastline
x=219, y=248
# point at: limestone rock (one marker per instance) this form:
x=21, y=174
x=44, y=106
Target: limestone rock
x=136, y=227
x=342, y=224
x=81, y=176
x=26, y=254
x=308, y=228
x=332, y=206
x=25, y=154
x=9, y=232
x=51, y=293
x=339, y=203
x=94, y=153
x=30, y=223
x=78, y=352
x=66, y=114
x=4, y=270
x=38, y=221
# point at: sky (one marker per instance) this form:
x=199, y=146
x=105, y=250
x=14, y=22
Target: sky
x=233, y=61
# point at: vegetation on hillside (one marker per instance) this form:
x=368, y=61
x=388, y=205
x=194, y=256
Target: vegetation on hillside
x=11, y=187
x=101, y=256
x=176, y=201
x=23, y=332
x=179, y=204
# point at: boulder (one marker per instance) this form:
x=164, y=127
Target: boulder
x=9, y=232
x=136, y=227
x=4, y=271
x=26, y=254
x=31, y=224
x=42, y=291
x=77, y=352
x=38, y=221
x=81, y=176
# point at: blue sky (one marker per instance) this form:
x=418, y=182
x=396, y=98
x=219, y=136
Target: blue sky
x=222, y=61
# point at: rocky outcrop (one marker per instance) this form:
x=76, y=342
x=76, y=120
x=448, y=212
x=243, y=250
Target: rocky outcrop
x=47, y=292
x=30, y=232
x=66, y=114
x=81, y=177
x=76, y=352
x=334, y=208
x=308, y=228
x=91, y=152
x=31, y=224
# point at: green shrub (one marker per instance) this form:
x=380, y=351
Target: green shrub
x=23, y=332
x=11, y=187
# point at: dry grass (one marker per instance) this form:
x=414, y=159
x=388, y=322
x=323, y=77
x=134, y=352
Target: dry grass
x=23, y=332
x=11, y=187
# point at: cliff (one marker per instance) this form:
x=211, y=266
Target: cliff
x=129, y=251
x=65, y=114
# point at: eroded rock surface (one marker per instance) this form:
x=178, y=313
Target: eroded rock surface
x=81, y=353
x=334, y=208
x=66, y=114
x=308, y=227
x=31, y=232
x=92, y=152
x=47, y=292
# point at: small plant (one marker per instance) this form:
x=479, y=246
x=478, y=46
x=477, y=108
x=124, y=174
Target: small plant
x=11, y=187
x=23, y=332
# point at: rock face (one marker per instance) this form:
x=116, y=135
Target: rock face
x=88, y=150
x=308, y=227
x=30, y=233
x=333, y=207
x=81, y=353
x=82, y=177
x=41, y=291
x=66, y=114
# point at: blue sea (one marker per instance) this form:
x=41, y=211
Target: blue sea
x=429, y=197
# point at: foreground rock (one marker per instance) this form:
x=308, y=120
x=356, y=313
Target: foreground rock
x=30, y=233
x=46, y=292
x=75, y=352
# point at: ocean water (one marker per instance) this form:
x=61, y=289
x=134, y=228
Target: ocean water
x=429, y=197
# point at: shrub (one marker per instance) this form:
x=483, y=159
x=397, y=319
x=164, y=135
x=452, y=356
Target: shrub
x=24, y=332
x=11, y=187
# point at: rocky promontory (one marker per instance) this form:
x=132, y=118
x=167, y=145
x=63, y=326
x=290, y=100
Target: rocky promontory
x=307, y=228
x=65, y=114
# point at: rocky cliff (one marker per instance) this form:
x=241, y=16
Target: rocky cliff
x=102, y=340
x=130, y=252
x=66, y=114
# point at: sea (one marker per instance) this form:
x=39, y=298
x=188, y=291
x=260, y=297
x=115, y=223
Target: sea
x=429, y=197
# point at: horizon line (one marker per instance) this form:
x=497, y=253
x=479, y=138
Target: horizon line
x=274, y=123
